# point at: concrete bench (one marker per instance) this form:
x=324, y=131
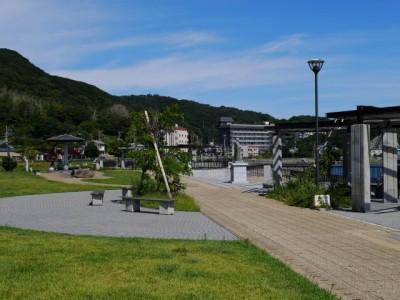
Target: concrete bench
x=166, y=205
x=36, y=172
x=97, y=198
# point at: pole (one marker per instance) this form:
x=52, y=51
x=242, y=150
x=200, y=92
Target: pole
x=316, y=133
x=158, y=156
x=7, y=142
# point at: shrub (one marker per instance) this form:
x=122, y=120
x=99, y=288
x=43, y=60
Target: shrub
x=8, y=163
x=296, y=193
x=299, y=191
x=340, y=194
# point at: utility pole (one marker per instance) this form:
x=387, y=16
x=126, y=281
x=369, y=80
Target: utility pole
x=7, y=142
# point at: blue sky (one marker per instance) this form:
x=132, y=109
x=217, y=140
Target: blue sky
x=246, y=54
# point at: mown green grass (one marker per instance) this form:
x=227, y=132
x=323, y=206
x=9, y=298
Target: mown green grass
x=39, y=265
x=122, y=177
x=19, y=183
x=183, y=202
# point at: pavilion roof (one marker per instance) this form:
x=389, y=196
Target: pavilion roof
x=65, y=138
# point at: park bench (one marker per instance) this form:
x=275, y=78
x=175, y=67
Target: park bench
x=133, y=204
x=36, y=172
x=97, y=198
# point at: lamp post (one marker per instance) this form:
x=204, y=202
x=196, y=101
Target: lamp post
x=224, y=145
x=315, y=66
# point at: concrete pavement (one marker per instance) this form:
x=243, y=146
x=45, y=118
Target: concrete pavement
x=70, y=213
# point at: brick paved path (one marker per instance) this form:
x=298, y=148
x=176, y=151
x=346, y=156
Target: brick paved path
x=354, y=259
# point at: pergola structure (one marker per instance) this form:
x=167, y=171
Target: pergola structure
x=355, y=125
x=65, y=139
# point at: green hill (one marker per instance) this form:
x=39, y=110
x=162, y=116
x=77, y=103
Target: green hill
x=38, y=105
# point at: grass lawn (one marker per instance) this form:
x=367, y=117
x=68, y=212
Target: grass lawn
x=18, y=183
x=123, y=177
x=40, y=265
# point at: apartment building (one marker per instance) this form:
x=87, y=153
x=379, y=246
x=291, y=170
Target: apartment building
x=253, y=139
x=179, y=136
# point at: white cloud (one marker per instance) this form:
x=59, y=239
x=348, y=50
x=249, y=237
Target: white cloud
x=190, y=73
x=286, y=44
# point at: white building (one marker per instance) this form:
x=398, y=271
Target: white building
x=179, y=136
x=101, y=146
x=253, y=139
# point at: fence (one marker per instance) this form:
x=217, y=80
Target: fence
x=376, y=172
x=218, y=164
x=288, y=169
x=293, y=169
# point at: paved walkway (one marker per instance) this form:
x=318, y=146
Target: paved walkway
x=354, y=259
x=70, y=213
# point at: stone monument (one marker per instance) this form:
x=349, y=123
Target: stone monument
x=238, y=167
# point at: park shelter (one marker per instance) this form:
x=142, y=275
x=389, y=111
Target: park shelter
x=355, y=125
x=65, y=139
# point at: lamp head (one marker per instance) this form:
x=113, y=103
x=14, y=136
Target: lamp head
x=315, y=65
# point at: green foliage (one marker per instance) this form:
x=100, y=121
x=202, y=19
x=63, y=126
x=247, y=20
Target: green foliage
x=175, y=161
x=113, y=144
x=327, y=159
x=8, y=163
x=340, y=194
x=91, y=150
x=30, y=153
x=299, y=191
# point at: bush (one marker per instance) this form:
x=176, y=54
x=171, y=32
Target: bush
x=8, y=163
x=340, y=194
x=299, y=191
x=296, y=193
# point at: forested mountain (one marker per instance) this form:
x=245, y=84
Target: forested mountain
x=38, y=105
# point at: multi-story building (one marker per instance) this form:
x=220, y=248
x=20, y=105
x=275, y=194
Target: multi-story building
x=253, y=139
x=179, y=136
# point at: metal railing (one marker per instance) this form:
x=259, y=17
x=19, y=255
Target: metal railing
x=288, y=169
x=218, y=164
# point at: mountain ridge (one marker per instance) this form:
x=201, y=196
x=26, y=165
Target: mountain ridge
x=40, y=105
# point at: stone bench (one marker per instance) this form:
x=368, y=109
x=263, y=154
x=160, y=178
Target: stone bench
x=166, y=205
x=36, y=172
x=97, y=198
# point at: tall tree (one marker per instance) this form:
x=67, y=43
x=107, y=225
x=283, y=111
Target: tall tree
x=175, y=161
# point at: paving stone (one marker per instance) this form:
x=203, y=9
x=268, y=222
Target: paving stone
x=70, y=213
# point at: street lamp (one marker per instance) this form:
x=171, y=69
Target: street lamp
x=224, y=145
x=315, y=66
